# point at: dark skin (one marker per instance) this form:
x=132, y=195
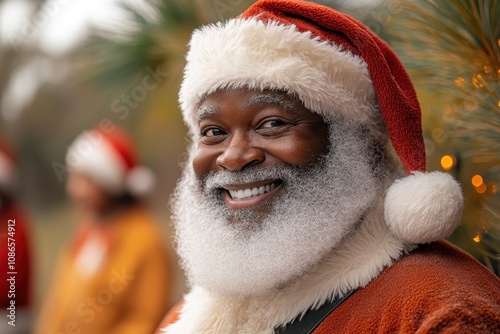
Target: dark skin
x=242, y=128
x=86, y=194
x=92, y=200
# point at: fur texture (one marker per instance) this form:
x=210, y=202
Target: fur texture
x=360, y=259
x=93, y=156
x=244, y=252
x=250, y=53
x=328, y=80
x=215, y=307
x=424, y=207
x=332, y=82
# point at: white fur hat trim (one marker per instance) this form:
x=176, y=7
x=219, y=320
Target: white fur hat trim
x=94, y=157
x=258, y=55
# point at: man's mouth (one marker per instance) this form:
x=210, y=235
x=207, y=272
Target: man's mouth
x=249, y=192
x=244, y=196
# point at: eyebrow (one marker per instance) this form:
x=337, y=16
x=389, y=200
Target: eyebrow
x=272, y=98
x=268, y=98
x=206, y=111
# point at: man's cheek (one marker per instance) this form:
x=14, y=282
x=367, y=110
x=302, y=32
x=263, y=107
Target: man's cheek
x=201, y=164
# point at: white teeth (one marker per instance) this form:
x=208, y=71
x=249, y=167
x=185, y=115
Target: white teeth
x=245, y=193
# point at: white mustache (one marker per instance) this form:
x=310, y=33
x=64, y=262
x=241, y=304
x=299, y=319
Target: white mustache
x=221, y=179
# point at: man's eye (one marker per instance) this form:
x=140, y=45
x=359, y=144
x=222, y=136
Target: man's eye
x=272, y=123
x=212, y=132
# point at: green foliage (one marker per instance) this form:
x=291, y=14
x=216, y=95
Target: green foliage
x=151, y=36
x=155, y=34
x=453, y=48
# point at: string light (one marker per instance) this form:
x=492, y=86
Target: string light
x=477, y=237
x=460, y=82
x=448, y=161
x=478, y=81
x=477, y=180
x=482, y=188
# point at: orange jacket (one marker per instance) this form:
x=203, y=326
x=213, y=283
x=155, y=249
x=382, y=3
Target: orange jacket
x=127, y=294
x=435, y=289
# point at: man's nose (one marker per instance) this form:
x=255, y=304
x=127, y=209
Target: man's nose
x=240, y=153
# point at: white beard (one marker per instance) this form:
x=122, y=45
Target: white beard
x=231, y=252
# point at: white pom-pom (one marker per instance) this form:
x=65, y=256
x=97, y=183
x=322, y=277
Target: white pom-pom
x=424, y=207
x=139, y=181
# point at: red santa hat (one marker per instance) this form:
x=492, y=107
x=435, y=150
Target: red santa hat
x=8, y=162
x=335, y=65
x=108, y=157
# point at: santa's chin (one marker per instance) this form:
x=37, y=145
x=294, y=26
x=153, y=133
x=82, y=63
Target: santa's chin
x=243, y=251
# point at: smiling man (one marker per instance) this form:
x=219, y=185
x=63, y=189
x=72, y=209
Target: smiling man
x=304, y=206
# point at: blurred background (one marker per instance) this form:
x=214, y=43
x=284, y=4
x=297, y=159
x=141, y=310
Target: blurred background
x=67, y=65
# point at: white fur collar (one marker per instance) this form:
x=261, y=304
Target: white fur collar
x=360, y=259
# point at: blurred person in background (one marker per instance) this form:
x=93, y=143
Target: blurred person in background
x=15, y=259
x=114, y=275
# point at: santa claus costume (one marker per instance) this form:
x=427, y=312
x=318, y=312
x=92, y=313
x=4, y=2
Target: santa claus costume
x=114, y=275
x=392, y=274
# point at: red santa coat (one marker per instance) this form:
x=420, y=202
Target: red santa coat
x=21, y=266
x=437, y=288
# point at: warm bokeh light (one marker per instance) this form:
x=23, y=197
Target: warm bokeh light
x=447, y=162
x=477, y=237
x=477, y=180
x=494, y=188
x=482, y=188
x=478, y=81
x=460, y=82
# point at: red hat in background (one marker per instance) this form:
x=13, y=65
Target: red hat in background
x=109, y=158
x=336, y=66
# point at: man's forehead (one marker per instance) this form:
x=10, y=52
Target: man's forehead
x=282, y=99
